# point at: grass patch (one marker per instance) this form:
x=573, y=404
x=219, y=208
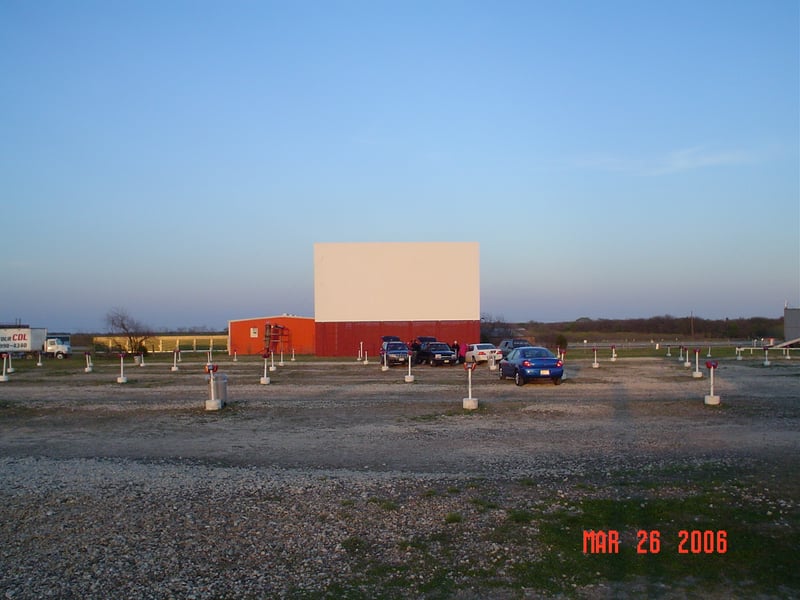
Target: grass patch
x=758, y=551
x=520, y=516
x=453, y=517
x=384, y=503
x=483, y=505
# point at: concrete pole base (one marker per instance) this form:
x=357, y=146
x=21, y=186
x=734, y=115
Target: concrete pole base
x=265, y=381
x=213, y=404
x=595, y=365
x=712, y=400
x=697, y=374
x=3, y=377
x=87, y=370
x=273, y=368
x=470, y=403
x=173, y=369
x=384, y=368
x=408, y=379
x=122, y=380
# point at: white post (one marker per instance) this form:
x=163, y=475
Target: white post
x=711, y=399
x=687, y=363
x=595, y=364
x=697, y=373
x=668, y=350
x=265, y=378
x=366, y=360
x=360, y=356
x=272, y=366
x=292, y=359
x=175, y=355
x=88, y=367
x=4, y=377
x=39, y=362
x=409, y=378
x=613, y=353
x=122, y=378
x=469, y=403
x=766, y=357
x=213, y=403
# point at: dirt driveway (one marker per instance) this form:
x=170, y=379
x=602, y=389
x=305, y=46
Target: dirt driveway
x=636, y=423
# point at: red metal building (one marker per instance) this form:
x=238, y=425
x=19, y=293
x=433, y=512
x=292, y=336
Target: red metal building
x=284, y=333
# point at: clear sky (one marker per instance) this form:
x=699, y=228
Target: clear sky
x=613, y=159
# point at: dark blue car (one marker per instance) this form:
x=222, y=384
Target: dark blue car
x=531, y=362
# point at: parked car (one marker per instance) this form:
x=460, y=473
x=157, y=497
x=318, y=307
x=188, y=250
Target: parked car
x=506, y=346
x=482, y=353
x=532, y=362
x=436, y=353
x=395, y=353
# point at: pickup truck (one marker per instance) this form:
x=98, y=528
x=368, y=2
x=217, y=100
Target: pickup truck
x=436, y=353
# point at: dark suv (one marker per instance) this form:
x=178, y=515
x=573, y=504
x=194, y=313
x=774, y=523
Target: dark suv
x=436, y=353
x=394, y=353
x=508, y=345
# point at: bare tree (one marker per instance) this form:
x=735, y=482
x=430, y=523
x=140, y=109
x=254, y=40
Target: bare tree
x=122, y=324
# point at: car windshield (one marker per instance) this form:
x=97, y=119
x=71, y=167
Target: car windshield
x=438, y=347
x=535, y=353
x=396, y=346
x=484, y=346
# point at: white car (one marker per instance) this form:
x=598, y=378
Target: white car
x=482, y=352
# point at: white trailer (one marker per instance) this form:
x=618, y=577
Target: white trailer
x=30, y=341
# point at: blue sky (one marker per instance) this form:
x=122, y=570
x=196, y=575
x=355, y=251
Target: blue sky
x=615, y=159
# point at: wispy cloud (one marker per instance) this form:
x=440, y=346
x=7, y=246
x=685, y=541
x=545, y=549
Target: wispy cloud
x=677, y=161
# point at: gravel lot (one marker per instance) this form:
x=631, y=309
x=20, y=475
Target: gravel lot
x=339, y=480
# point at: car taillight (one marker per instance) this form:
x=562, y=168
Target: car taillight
x=481, y=353
x=559, y=363
x=526, y=363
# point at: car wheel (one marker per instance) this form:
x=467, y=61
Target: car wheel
x=519, y=379
x=556, y=380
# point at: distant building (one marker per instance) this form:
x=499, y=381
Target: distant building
x=791, y=324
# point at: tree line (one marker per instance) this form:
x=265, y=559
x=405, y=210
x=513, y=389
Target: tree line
x=657, y=328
